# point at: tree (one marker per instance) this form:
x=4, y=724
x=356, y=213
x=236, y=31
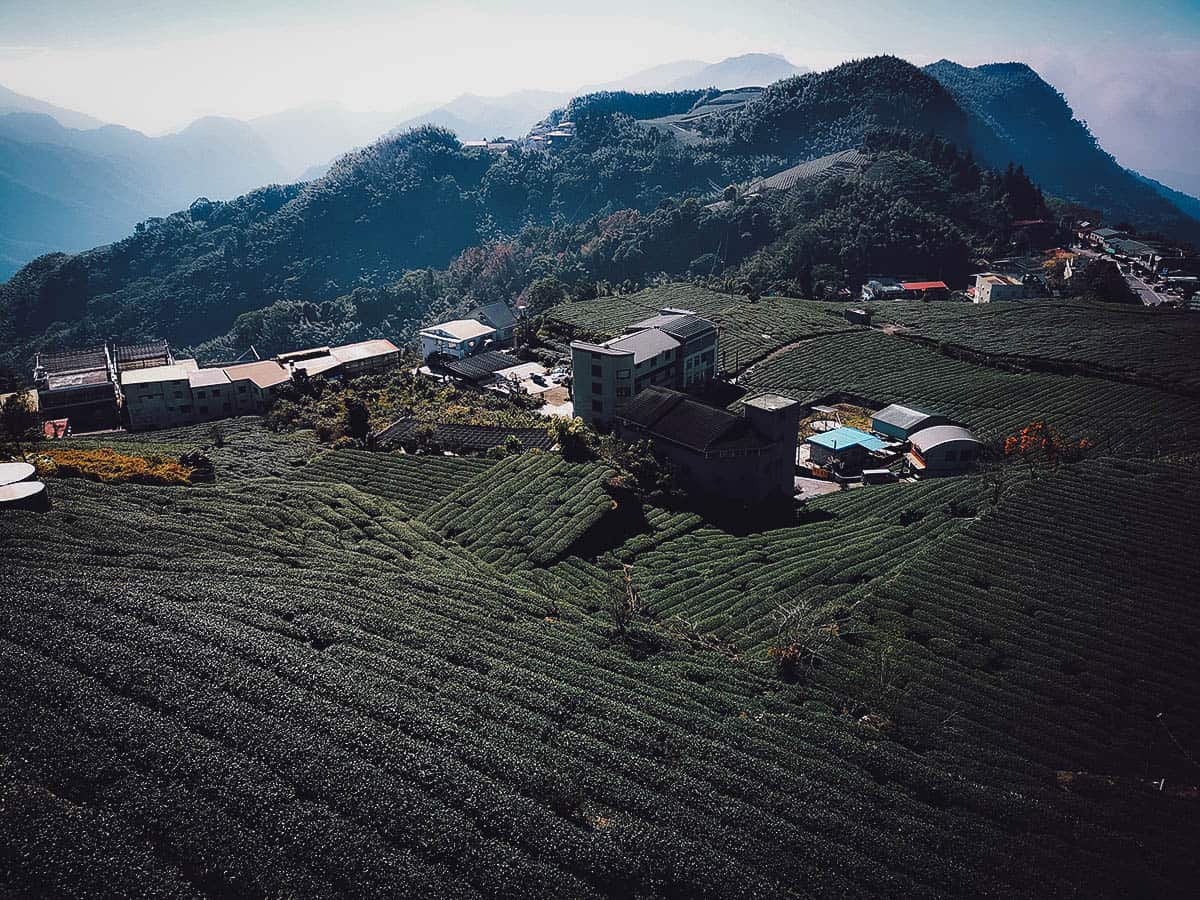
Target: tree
x=18, y=421
x=357, y=418
x=572, y=438
x=1103, y=281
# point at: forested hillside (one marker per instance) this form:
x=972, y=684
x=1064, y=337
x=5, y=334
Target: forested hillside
x=417, y=225
x=1013, y=115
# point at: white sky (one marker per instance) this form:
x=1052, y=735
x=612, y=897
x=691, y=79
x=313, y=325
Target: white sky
x=156, y=66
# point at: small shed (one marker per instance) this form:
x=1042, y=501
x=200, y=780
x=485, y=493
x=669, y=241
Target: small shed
x=943, y=450
x=902, y=422
x=845, y=447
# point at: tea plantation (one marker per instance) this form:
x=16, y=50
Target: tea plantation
x=1115, y=416
x=1159, y=346
x=366, y=685
x=749, y=329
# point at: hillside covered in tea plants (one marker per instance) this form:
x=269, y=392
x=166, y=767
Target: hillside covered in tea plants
x=331, y=672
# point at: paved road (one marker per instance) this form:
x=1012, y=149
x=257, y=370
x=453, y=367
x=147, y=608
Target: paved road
x=1149, y=296
x=1145, y=292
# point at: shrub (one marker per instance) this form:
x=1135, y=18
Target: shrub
x=111, y=467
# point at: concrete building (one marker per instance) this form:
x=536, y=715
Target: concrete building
x=459, y=338
x=499, y=316
x=159, y=396
x=711, y=451
x=212, y=394
x=255, y=385
x=844, y=449
x=80, y=387
x=993, y=287
x=901, y=422
x=366, y=357
x=943, y=450
x=675, y=349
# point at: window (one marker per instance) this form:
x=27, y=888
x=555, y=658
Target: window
x=200, y=395
x=597, y=387
x=597, y=372
x=623, y=391
x=241, y=389
x=623, y=374
x=179, y=395
x=597, y=406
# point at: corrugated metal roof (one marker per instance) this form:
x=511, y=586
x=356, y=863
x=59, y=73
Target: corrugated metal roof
x=154, y=374
x=207, y=377
x=461, y=329
x=364, y=350
x=904, y=417
x=264, y=373
x=841, y=438
x=645, y=345
x=928, y=438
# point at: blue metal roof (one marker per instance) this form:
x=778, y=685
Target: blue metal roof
x=841, y=438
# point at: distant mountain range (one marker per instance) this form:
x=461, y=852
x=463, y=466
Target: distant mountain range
x=377, y=237
x=69, y=181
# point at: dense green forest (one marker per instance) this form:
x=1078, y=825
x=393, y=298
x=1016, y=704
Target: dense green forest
x=417, y=225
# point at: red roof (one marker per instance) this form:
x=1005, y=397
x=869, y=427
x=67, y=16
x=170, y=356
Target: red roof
x=923, y=285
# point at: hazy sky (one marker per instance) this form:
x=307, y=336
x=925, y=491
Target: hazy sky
x=1131, y=69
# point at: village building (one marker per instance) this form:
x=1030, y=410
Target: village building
x=711, y=451
x=80, y=387
x=994, y=287
x=159, y=396
x=212, y=394
x=943, y=450
x=459, y=338
x=844, y=450
x=675, y=349
x=925, y=290
x=901, y=422
x=499, y=316
x=255, y=385
x=142, y=356
x=883, y=287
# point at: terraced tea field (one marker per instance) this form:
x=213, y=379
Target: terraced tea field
x=1116, y=417
x=278, y=687
x=414, y=482
x=528, y=508
x=1133, y=341
x=749, y=331
x=396, y=675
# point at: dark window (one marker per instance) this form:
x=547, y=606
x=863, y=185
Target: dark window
x=597, y=406
x=241, y=389
x=597, y=387
x=200, y=395
x=622, y=392
x=178, y=395
x=596, y=371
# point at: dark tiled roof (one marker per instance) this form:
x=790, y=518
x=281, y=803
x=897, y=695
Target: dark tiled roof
x=152, y=350
x=78, y=361
x=463, y=437
x=675, y=417
x=481, y=365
